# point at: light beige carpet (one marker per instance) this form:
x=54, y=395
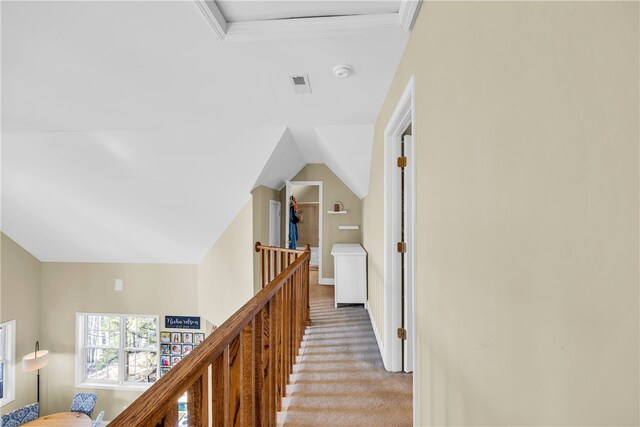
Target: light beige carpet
x=341, y=379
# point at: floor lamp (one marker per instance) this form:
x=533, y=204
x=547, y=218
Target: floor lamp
x=33, y=362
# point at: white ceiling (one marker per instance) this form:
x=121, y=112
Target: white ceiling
x=257, y=10
x=132, y=134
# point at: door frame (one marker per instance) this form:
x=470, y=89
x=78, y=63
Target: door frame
x=403, y=115
x=279, y=222
x=289, y=184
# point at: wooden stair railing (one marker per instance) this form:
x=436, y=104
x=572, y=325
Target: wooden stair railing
x=274, y=260
x=246, y=362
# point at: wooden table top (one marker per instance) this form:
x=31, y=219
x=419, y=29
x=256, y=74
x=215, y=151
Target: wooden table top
x=62, y=419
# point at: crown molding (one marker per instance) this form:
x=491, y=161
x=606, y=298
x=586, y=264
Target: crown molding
x=305, y=28
x=334, y=26
x=214, y=17
x=407, y=13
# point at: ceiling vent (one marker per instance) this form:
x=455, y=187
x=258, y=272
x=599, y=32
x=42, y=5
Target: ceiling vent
x=300, y=83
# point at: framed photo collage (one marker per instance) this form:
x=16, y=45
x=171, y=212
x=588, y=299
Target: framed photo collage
x=176, y=345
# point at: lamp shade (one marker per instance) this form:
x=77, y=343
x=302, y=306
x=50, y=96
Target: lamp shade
x=36, y=360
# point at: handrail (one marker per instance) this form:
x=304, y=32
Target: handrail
x=248, y=360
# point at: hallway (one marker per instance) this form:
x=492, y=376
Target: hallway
x=341, y=379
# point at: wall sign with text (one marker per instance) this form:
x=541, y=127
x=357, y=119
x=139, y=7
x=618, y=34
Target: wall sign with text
x=182, y=322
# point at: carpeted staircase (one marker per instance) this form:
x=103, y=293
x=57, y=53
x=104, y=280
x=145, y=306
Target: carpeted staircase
x=341, y=380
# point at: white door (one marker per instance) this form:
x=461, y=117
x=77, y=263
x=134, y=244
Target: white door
x=274, y=223
x=407, y=285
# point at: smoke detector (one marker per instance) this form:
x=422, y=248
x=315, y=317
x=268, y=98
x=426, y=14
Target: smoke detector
x=342, y=71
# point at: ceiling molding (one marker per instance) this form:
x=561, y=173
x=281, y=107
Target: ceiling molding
x=298, y=28
x=407, y=13
x=214, y=17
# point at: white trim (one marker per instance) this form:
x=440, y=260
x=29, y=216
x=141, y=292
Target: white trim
x=289, y=185
x=375, y=332
x=324, y=281
x=403, y=115
x=80, y=381
x=408, y=13
x=214, y=17
x=305, y=28
x=9, y=336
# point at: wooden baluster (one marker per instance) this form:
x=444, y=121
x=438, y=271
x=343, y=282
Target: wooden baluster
x=220, y=390
x=287, y=288
x=171, y=418
x=258, y=369
x=235, y=382
x=248, y=376
x=197, y=398
x=280, y=348
x=268, y=265
x=269, y=365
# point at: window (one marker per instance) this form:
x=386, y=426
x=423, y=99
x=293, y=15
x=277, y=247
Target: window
x=116, y=350
x=7, y=361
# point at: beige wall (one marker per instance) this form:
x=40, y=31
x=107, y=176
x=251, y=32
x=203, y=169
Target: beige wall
x=261, y=200
x=527, y=212
x=333, y=190
x=20, y=290
x=68, y=288
x=309, y=225
x=225, y=275
x=306, y=193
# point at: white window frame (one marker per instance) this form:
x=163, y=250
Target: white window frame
x=9, y=356
x=82, y=382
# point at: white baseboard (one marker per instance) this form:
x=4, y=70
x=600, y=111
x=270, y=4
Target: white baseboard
x=375, y=332
x=325, y=281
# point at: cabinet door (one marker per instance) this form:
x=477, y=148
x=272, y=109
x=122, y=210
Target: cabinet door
x=350, y=279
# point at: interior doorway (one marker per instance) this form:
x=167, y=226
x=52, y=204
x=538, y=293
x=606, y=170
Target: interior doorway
x=399, y=214
x=308, y=195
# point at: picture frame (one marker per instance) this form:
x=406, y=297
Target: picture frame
x=164, y=370
x=165, y=348
x=165, y=361
x=165, y=337
x=176, y=349
x=198, y=337
x=187, y=337
x=175, y=360
x=176, y=337
x=186, y=349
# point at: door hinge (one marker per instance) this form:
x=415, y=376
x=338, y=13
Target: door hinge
x=402, y=333
x=402, y=161
x=402, y=247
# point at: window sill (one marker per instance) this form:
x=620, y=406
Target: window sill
x=123, y=387
x=6, y=401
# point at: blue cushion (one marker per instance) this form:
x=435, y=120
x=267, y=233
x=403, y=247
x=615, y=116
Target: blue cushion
x=21, y=415
x=84, y=402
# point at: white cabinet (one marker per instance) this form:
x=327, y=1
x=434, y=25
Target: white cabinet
x=350, y=269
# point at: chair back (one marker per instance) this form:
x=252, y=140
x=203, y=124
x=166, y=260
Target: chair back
x=21, y=416
x=96, y=423
x=84, y=402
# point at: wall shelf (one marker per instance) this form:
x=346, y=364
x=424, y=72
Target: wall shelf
x=337, y=213
x=349, y=227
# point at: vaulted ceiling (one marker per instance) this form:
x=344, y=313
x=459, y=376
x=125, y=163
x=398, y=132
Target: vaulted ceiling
x=131, y=132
